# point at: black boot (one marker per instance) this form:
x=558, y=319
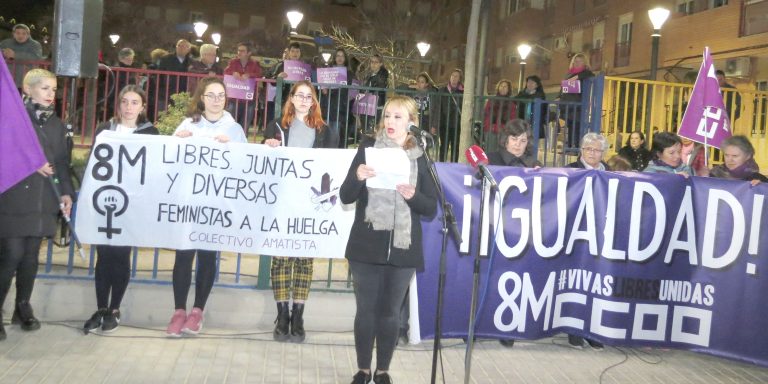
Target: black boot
x=282, y=321
x=24, y=316
x=297, y=323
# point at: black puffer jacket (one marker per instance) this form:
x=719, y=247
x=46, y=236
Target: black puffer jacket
x=30, y=208
x=367, y=245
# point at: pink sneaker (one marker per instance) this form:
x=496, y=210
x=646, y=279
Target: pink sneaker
x=177, y=321
x=194, y=322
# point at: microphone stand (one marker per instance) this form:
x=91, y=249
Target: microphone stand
x=475, y=284
x=55, y=186
x=449, y=226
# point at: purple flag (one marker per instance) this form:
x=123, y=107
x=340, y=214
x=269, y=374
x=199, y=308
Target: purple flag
x=706, y=120
x=20, y=152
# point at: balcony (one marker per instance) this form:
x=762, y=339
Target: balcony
x=621, y=55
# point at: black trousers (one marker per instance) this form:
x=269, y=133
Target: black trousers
x=379, y=294
x=182, y=276
x=18, y=256
x=113, y=272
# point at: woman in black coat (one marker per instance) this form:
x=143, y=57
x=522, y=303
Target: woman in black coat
x=385, y=244
x=533, y=90
x=29, y=209
x=636, y=152
x=113, y=265
x=515, y=146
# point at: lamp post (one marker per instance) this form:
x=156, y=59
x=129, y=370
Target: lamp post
x=658, y=16
x=200, y=29
x=326, y=56
x=524, y=50
x=114, y=38
x=216, y=38
x=294, y=18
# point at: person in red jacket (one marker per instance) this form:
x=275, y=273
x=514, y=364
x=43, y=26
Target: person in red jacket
x=243, y=67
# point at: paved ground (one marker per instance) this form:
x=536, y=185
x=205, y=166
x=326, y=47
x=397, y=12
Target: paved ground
x=236, y=347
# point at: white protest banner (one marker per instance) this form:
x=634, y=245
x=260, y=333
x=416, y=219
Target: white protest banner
x=193, y=193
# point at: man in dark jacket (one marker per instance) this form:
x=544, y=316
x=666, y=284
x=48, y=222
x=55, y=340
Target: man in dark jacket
x=171, y=84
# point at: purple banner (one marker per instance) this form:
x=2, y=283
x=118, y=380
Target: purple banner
x=365, y=104
x=571, y=86
x=240, y=89
x=332, y=75
x=20, y=152
x=628, y=259
x=297, y=70
x=705, y=119
x=271, y=92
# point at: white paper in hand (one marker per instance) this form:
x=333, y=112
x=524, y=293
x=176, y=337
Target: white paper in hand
x=391, y=165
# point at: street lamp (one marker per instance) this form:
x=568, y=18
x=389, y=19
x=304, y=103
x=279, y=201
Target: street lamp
x=294, y=18
x=114, y=38
x=200, y=29
x=326, y=56
x=658, y=16
x=524, y=50
x=423, y=48
x=216, y=38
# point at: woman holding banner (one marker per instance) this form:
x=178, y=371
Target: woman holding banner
x=113, y=265
x=667, y=155
x=28, y=210
x=738, y=161
x=385, y=243
x=301, y=126
x=207, y=118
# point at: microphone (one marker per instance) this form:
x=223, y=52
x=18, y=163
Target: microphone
x=478, y=160
x=418, y=132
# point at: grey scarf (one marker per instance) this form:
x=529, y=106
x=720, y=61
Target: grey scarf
x=387, y=209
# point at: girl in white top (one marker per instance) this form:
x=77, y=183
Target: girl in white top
x=207, y=119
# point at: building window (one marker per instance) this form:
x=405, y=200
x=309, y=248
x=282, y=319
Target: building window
x=194, y=17
x=256, y=22
x=314, y=28
x=579, y=6
x=577, y=41
x=499, y=57
x=173, y=15
x=686, y=7
x=755, y=18
x=717, y=3
x=231, y=20
x=455, y=54
x=514, y=6
x=623, y=41
x=152, y=13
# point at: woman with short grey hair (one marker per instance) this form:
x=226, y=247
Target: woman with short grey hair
x=593, y=146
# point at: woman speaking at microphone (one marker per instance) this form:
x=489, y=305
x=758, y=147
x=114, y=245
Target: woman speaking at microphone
x=384, y=248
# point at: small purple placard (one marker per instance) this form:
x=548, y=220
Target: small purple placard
x=239, y=89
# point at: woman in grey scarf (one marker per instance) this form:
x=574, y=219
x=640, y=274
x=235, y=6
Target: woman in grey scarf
x=384, y=248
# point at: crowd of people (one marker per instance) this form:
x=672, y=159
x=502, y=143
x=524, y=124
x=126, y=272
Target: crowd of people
x=385, y=246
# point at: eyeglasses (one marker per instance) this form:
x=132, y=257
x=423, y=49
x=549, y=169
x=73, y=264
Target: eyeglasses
x=592, y=150
x=301, y=97
x=213, y=97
